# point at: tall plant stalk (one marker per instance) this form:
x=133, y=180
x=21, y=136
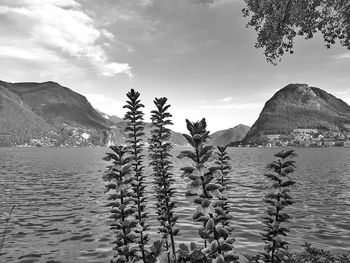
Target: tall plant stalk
x=160, y=148
x=223, y=163
x=134, y=141
x=207, y=188
x=277, y=200
x=8, y=218
x=119, y=176
x=218, y=244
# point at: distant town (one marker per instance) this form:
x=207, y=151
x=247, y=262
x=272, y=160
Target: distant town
x=304, y=138
x=72, y=137
x=297, y=138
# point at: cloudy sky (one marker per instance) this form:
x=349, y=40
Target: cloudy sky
x=197, y=53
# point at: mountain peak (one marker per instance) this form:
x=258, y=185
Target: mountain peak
x=34, y=84
x=241, y=126
x=51, y=83
x=300, y=106
x=296, y=88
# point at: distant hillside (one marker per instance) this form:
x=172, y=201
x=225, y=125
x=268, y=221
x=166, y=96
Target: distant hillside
x=118, y=129
x=18, y=123
x=49, y=114
x=228, y=136
x=59, y=105
x=300, y=106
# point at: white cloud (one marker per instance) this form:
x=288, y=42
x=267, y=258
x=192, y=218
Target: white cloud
x=225, y=99
x=145, y=2
x=343, y=56
x=106, y=105
x=60, y=26
x=14, y=52
x=28, y=62
x=107, y=34
x=222, y=104
x=214, y=3
x=238, y=106
x=111, y=69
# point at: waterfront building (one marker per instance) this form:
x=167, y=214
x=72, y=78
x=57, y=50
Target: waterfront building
x=272, y=137
x=305, y=131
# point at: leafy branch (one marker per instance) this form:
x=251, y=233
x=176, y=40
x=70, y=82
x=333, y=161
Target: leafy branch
x=134, y=141
x=160, y=161
x=277, y=200
x=207, y=195
x=119, y=177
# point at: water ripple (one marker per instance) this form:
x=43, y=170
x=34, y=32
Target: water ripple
x=60, y=214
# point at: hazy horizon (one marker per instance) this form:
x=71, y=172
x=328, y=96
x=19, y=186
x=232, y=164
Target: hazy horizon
x=197, y=53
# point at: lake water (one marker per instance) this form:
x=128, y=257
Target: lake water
x=60, y=214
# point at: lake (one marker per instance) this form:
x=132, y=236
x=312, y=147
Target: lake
x=60, y=214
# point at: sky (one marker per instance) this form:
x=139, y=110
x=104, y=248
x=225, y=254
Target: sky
x=197, y=53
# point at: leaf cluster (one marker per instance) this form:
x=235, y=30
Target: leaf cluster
x=276, y=201
x=119, y=177
x=310, y=254
x=222, y=161
x=279, y=22
x=209, y=198
x=195, y=254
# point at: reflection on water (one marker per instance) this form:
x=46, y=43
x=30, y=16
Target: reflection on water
x=59, y=214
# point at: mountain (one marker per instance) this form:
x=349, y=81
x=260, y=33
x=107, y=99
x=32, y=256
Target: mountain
x=17, y=121
x=119, y=128
x=119, y=125
x=224, y=137
x=300, y=106
x=49, y=114
x=58, y=105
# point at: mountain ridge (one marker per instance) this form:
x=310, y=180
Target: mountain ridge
x=227, y=136
x=30, y=111
x=300, y=106
x=53, y=115
x=58, y=104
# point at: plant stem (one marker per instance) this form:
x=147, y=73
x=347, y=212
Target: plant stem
x=7, y=223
